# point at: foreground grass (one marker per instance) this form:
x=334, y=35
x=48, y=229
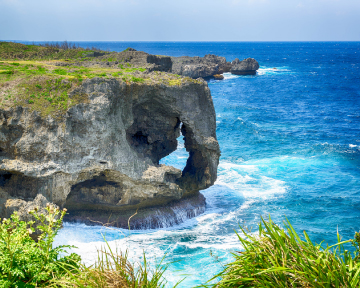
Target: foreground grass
x=27, y=261
x=278, y=257
x=273, y=257
x=113, y=269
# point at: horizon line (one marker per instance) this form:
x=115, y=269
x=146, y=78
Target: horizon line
x=234, y=41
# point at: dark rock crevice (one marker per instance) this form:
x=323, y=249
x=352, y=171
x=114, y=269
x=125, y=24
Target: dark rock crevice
x=153, y=133
x=18, y=185
x=97, y=190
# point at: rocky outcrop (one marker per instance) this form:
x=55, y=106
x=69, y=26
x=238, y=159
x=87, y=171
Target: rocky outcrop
x=246, y=67
x=193, y=67
x=219, y=76
x=101, y=159
x=211, y=65
x=196, y=67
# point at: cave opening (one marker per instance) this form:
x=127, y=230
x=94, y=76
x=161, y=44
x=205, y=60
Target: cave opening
x=97, y=190
x=179, y=157
x=18, y=185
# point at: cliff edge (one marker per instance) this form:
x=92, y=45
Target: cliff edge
x=89, y=138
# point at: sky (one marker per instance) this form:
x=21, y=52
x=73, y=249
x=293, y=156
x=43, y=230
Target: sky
x=175, y=20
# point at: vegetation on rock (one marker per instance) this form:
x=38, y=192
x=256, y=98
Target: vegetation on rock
x=42, y=78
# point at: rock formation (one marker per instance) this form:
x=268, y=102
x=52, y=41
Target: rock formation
x=89, y=136
x=100, y=159
x=246, y=67
x=196, y=67
x=193, y=67
x=212, y=65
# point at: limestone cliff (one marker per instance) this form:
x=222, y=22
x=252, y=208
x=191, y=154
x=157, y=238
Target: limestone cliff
x=100, y=158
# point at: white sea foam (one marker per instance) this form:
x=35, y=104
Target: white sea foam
x=248, y=180
x=352, y=145
x=228, y=75
x=275, y=70
x=180, y=145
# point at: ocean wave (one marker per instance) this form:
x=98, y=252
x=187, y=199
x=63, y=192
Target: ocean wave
x=275, y=70
x=249, y=181
x=228, y=75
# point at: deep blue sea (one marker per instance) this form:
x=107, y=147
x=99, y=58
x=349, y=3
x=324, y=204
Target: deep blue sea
x=290, y=144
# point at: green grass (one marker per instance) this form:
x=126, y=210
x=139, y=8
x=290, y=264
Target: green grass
x=113, y=269
x=277, y=257
x=29, y=68
x=131, y=78
x=18, y=51
x=44, y=81
x=130, y=70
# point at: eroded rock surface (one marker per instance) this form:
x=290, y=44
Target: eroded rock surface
x=196, y=67
x=101, y=159
x=246, y=67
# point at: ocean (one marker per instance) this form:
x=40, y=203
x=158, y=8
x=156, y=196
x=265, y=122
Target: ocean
x=290, y=144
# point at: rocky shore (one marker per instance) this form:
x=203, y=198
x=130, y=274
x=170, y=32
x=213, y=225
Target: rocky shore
x=87, y=134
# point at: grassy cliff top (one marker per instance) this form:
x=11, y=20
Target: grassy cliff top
x=17, y=51
x=43, y=80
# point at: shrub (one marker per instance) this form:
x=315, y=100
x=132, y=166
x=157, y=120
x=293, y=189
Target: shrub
x=280, y=258
x=25, y=262
x=42, y=70
x=8, y=72
x=137, y=79
x=60, y=71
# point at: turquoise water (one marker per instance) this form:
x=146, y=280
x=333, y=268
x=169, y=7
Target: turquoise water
x=290, y=142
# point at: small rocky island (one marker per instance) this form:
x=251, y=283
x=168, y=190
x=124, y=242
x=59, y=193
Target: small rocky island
x=86, y=130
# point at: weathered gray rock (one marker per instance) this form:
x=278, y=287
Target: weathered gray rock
x=196, y=67
x=101, y=158
x=245, y=67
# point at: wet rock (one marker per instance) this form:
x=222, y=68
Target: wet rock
x=219, y=76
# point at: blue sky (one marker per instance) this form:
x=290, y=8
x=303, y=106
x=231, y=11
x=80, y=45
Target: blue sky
x=185, y=20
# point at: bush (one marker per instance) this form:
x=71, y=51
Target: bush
x=280, y=258
x=25, y=262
